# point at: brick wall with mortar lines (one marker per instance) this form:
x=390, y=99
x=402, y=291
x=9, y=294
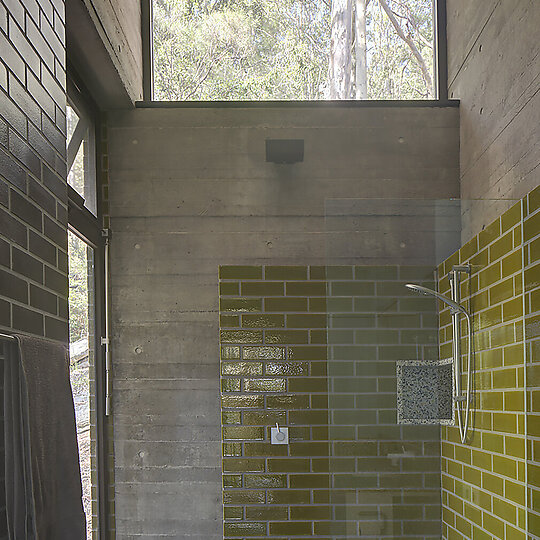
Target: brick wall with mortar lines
x=531, y=251
x=336, y=479
x=33, y=193
x=484, y=482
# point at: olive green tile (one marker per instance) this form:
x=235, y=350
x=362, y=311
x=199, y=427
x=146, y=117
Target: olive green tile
x=532, y=277
x=243, y=465
x=534, y=250
x=244, y=529
x=289, y=369
x=514, y=401
x=229, y=288
x=352, y=288
x=305, y=288
x=263, y=320
x=512, y=263
x=308, y=417
x=241, y=368
x=346, y=320
x=285, y=304
x=286, y=272
x=494, y=525
x=232, y=449
x=531, y=226
x=230, y=353
x=340, y=336
x=263, y=288
x=514, y=446
x=505, y=466
x=229, y=321
x=306, y=321
x=230, y=385
x=511, y=217
x=318, y=369
x=490, y=275
x=289, y=465
x=242, y=401
x=314, y=352
x=417, y=304
x=468, y=250
x=265, y=385
x=504, y=422
x=319, y=401
x=338, y=304
x=289, y=496
x=358, y=449
x=501, y=247
x=232, y=481
x=313, y=512
x=272, y=337
x=488, y=318
x=313, y=449
x=259, y=449
x=240, y=272
x=420, y=337
x=502, y=335
x=318, y=304
x=263, y=353
x=489, y=234
x=263, y=418
x=291, y=528
x=502, y=291
x=241, y=336
x=287, y=402
x=354, y=352
x=398, y=321
x=308, y=384
x=233, y=512
x=335, y=272
x=317, y=272
x=348, y=529
x=479, y=261
x=265, y=481
x=300, y=481
x=243, y=432
x=514, y=492
x=376, y=304
x=240, y=304
x=244, y=497
x=513, y=354
x=375, y=272
x=512, y=309
x=267, y=513
x=231, y=417
x=318, y=337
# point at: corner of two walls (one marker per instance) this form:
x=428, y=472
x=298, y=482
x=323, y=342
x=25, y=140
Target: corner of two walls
x=490, y=485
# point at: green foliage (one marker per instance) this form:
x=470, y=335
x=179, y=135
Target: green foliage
x=279, y=49
x=78, y=288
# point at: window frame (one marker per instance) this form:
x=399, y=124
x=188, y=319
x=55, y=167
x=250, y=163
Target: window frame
x=440, y=74
x=88, y=227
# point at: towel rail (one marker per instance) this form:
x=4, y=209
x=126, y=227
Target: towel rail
x=7, y=337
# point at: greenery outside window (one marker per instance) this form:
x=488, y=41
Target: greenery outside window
x=265, y=50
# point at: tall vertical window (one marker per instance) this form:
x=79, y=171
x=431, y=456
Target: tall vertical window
x=86, y=300
x=225, y=50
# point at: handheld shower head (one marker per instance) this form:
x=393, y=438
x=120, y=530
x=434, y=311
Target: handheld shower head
x=428, y=292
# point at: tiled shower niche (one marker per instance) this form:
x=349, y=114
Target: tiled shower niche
x=314, y=349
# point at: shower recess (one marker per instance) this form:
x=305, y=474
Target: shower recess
x=462, y=401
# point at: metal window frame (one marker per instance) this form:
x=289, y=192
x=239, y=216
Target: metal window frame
x=440, y=71
x=88, y=227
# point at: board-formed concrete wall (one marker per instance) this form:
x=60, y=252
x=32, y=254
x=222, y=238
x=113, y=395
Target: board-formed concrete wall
x=494, y=70
x=190, y=190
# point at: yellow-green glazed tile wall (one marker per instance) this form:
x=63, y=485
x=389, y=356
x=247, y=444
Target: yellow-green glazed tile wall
x=531, y=249
x=315, y=348
x=484, y=482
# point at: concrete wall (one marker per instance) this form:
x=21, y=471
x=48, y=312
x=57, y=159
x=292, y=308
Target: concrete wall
x=190, y=190
x=494, y=69
x=33, y=193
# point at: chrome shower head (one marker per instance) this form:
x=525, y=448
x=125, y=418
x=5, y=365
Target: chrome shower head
x=428, y=292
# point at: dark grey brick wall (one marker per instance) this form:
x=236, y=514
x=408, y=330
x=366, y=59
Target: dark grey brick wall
x=33, y=194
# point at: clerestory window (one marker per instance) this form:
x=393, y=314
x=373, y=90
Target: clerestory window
x=293, y=50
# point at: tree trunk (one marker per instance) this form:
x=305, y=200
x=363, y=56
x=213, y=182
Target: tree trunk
x=340, y=67
x=361, y=50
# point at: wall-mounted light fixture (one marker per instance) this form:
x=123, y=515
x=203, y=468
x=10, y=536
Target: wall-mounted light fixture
x=284, y=150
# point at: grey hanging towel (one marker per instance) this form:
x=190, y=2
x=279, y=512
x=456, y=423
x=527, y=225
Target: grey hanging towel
x=43, y=480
